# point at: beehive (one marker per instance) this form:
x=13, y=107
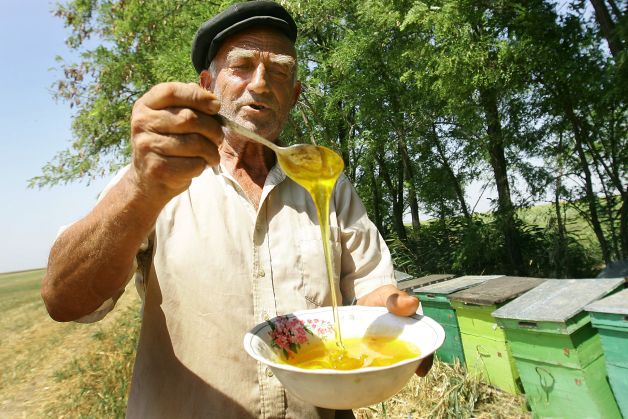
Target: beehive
x=610, y=317
x=483, y=341
x=408, y=284
x=435, y=303
x=557, y=352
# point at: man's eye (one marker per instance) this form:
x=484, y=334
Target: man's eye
x=241, y=66
x=280, y=71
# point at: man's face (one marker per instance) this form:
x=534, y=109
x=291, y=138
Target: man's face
x=255, y=80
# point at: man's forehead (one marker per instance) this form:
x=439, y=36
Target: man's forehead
x=259, y=40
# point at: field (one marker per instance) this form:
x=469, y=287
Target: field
x=75, y=370
x=45, y=364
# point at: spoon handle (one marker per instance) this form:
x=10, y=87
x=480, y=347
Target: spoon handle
x=239, y=129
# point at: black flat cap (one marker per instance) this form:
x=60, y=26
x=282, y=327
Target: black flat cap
x=234, y=19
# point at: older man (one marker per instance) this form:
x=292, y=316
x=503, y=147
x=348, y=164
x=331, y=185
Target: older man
x=219, y=237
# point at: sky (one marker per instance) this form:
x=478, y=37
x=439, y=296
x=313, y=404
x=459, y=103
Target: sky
x=34, y=129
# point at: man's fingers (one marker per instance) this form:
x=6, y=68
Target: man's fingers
x=182, y=145
x=181, y=95
x=174, y=173
x=425, y=366
x=402, y=304
x=177, y=121
x=396, y=301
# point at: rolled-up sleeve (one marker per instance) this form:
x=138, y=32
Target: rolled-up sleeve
x=366, y=263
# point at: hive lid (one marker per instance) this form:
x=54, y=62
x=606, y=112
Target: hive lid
x=456, y=284
x=402, y=276
x=497, y=291
x=613, y=304
x=411, y=284
x=557, y=300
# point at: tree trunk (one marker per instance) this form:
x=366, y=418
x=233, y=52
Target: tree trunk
x=588, y=181
x=454, y=179
x=560, y=248
x=341, y=137
x=398, y=215
x=623, y=224
x=607, y=26
x=561, y=245
x=505, y=211
x=376, y=199
x=397, y=206
x=613, y=242
x=409, y=176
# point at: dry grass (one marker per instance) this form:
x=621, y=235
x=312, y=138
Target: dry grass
x=35, y=348
x=447, y=392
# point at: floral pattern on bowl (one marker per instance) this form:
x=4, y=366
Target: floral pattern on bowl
x=288, y=333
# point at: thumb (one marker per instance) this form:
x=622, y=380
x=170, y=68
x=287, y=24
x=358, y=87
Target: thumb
x=402, y=304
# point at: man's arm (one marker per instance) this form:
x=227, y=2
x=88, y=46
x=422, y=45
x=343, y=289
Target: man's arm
x=174, y=139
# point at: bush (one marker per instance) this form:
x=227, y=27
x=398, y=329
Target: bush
x=457, y=246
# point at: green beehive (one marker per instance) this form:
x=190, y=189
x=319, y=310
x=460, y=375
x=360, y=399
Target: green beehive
x=435, y=303
x=483, y=341
x=610, y=317
x=409, y=283
x=557, y=352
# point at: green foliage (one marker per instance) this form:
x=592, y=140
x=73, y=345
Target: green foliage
x=458, y=246
x=421, y=99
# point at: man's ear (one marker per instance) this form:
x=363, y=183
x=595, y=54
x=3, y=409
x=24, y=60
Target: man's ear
x=297, y=92
x=205, y=79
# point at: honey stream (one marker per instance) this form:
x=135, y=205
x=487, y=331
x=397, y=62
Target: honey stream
x=316, y=169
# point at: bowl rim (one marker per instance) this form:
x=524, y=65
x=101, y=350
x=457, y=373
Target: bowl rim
x=251, y=334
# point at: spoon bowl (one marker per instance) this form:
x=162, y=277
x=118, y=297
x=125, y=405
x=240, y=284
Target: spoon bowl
x=301, y=162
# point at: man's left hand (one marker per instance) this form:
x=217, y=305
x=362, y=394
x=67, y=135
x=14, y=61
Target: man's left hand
x=400, y=303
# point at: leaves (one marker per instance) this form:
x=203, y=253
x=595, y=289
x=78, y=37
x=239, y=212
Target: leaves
x=421, y=98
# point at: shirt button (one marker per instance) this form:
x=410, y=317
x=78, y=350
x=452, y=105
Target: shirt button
x=269, y=373
x=265, y=316
x=261, y=274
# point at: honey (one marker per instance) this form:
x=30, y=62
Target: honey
x=368, y=351
x=316, y=169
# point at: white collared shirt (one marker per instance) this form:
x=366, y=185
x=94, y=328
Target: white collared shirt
x=219, y=267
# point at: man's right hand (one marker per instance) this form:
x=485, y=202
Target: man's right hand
x=174, y=138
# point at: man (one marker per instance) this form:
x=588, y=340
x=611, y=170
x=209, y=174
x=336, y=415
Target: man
x=221, y=239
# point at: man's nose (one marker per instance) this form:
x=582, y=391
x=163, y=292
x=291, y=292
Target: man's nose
x=259, y=83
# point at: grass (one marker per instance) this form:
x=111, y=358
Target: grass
x=37, y=352
x=71, y=370
x=96, y=384
x=447, y=392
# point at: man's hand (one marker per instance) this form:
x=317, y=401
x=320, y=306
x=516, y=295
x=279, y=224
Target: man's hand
x=174, y=138
x=400, y=303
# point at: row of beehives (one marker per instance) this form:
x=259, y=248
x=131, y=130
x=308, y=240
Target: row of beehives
x=561, y=342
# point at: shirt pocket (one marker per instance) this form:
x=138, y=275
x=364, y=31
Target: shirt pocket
x=315, y=285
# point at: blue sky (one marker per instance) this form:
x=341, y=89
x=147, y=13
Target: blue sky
x=34, y=129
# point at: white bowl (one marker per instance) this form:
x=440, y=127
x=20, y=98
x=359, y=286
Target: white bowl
x=347, y=389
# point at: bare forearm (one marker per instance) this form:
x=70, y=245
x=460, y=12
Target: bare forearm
x=174, y=137
x=91, y=260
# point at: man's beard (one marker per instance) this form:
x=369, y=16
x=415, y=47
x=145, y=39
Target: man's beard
x=265, y=125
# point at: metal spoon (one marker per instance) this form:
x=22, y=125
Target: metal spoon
x=301, y=162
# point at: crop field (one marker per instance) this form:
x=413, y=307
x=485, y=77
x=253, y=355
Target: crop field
x=71, y=370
